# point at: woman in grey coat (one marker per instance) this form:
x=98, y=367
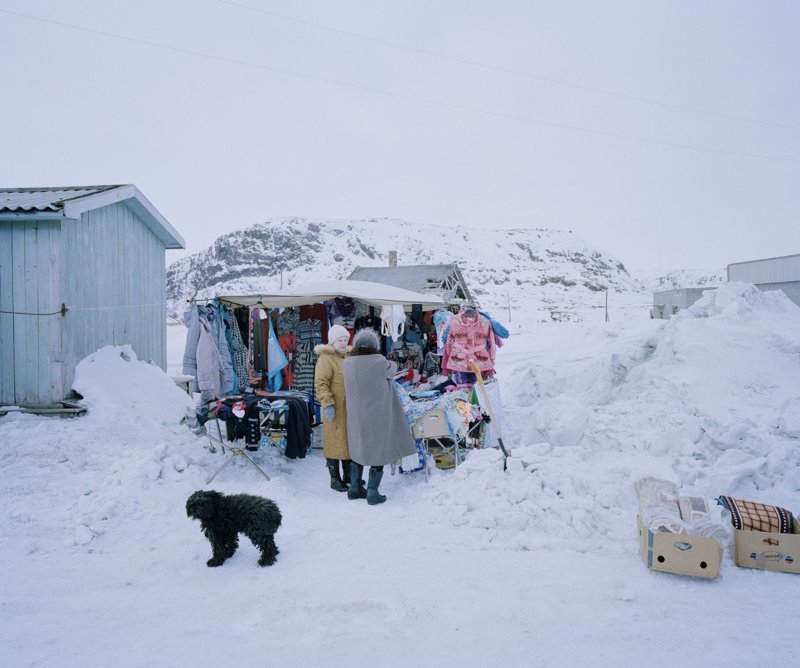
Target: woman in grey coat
x=377, y=431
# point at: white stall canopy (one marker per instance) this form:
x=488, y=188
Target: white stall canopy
x=374, y=294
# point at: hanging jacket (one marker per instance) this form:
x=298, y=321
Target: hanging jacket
x=218, y=328
x=211, y=314
x=497, y=328
x=468, y=338
x=239, y=351
x=440, y=319
x=210, y=375
x=276, y=359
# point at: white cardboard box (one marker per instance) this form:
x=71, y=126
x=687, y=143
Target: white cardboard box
x=678, y=553
x=432, y=424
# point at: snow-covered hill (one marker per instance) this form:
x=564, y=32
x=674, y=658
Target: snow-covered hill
x=524, y=275
x=653, y=280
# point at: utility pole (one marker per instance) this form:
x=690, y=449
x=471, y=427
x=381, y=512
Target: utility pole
x=508, y=297
x=606, y=304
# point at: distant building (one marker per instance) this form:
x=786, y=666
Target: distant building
x=80, y=268
x=667, y=303
x=774, y=273
x=442, y=280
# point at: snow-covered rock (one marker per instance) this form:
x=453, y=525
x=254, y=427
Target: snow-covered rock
x=525, y=275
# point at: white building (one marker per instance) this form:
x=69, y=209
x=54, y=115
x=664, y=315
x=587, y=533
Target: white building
x=774, y=273
x=667, y=303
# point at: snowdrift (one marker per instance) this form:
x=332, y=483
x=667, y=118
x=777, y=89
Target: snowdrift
x=708, y=399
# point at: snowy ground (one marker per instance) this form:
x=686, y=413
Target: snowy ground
x=537, y=565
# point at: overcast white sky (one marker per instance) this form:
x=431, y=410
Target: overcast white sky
x=666, y=133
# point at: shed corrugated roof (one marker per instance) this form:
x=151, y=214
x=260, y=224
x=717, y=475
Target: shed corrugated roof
x=44, y=199
x=418, y=277
x=444, y=280
x=20, y=204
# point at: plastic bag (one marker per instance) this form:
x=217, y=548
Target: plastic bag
x=657, y=493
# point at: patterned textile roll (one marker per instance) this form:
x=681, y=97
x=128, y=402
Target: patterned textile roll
x=752, y=516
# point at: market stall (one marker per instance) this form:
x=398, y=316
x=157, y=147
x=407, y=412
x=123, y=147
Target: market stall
x=264, y=345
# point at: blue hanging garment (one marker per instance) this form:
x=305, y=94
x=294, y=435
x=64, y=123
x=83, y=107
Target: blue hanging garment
x=276, y=360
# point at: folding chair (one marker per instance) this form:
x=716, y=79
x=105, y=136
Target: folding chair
x=273, y=425
x=434, y=430
x=235, y=450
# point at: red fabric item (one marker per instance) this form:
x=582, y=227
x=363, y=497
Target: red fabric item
x=288, y=343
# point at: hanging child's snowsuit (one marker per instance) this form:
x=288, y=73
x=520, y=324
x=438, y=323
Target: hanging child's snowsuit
x=469, y=337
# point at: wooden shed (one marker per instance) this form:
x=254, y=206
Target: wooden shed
x=80, y=268
x=443, y=280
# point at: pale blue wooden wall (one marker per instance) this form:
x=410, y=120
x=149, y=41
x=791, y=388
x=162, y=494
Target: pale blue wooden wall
x=108, y=268
x=114, y=286
x=30, y=286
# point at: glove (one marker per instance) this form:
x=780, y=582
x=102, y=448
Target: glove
x=328, y=412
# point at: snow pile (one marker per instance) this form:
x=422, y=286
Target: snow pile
x=115, y=383
x=130, y=439
x=546, y=499
x=708, y=399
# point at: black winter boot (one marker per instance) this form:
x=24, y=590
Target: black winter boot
x=375, y=475
x=356, y=490
x=346, y=469
x=336, y=480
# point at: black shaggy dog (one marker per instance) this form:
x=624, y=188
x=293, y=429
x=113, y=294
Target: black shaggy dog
x=223, y=517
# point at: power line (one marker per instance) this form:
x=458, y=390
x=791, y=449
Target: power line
x=505, y=70
x=415, y=98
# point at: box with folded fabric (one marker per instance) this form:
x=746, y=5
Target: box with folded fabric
x=764, y=536
x=688, y=544
x=446, y=417
x=461, y=414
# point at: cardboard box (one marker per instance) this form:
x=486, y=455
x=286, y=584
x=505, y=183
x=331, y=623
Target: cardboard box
x=769, y=550
x=680, y=554
x=432, y=425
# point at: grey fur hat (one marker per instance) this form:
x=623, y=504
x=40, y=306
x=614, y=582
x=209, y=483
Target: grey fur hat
x=367, y=338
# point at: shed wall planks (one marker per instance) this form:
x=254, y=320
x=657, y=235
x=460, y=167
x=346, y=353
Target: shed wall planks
x=6, y=319
x=56, y=373
x=19, y=303
x=42, y=241
x=107, y=267
x=115, y=277
x=29, y=274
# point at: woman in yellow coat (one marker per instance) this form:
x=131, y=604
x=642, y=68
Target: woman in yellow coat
x=329, y=386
